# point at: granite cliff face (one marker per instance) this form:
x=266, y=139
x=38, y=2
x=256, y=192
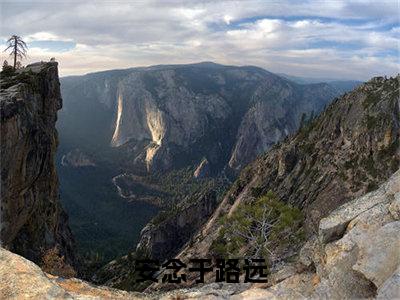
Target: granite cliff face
x=171, y=116
x=32, y=219
x=350, y=149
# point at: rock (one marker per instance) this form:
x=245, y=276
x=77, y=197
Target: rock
x=332, y=227
x=306, y=253
x=394, y=208
x=381, y=257
x=335, y=224
x=76, y=158
x=32, y=219
x=391, y=287
x=203, y=170
x=22, y=279
x=162, y=239
x=366, y=255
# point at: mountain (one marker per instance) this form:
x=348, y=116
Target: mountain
x=33, y=223
x=149, y=129
x=165, y=116
x=350, y=149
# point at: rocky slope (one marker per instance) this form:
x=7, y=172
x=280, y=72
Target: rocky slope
x=354, y=256
x=349, y=150
x=32, y=219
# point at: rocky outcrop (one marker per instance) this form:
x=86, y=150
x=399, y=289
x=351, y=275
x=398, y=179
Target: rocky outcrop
x=22, y=279
x=76, y=158
x=351, y=148
x=32, y=219
x=360, y=262
x=203, y=170
x=163, y=238
x=363, y=260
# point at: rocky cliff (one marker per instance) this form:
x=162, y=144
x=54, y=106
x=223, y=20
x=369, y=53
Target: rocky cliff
x=351, y=148
x=354, y=256
x=32, y=219
x=169, y=116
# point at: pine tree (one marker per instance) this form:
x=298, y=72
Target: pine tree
x=18, y=48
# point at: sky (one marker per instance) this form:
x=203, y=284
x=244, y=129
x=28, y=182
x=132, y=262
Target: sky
x=329, y=39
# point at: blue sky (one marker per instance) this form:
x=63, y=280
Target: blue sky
x=334, y=39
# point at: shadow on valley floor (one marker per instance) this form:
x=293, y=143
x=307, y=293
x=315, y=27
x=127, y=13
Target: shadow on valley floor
x=104, y=224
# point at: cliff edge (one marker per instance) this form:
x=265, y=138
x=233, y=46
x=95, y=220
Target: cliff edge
x=33, y=223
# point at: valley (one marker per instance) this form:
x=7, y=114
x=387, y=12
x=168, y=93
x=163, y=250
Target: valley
x=143, y=141
x=200, y=150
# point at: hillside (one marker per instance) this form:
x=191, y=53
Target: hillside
x=350, y=149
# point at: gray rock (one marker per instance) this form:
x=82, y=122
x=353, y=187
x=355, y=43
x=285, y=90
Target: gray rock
x=32, y=219
x=380, y=257
x=76, y=158
x=390, y=288
x=22, y=279
x=394, y=208
x=333, y=226
x=203, y=170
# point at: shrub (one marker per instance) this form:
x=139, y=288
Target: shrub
x=259, y=228
x=53, y=263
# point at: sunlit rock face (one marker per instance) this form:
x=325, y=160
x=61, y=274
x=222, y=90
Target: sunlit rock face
x=172, y=116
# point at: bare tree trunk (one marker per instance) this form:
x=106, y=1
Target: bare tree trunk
x=15, y=53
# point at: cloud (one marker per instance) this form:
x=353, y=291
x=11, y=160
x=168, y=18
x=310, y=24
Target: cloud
x=345, y=39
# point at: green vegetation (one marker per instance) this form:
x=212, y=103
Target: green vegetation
x=127, y=279
x=259, y=229
x=9, y=78
x=390, y=150
x=105, y=225
x=372, y=186
x=369, y=165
